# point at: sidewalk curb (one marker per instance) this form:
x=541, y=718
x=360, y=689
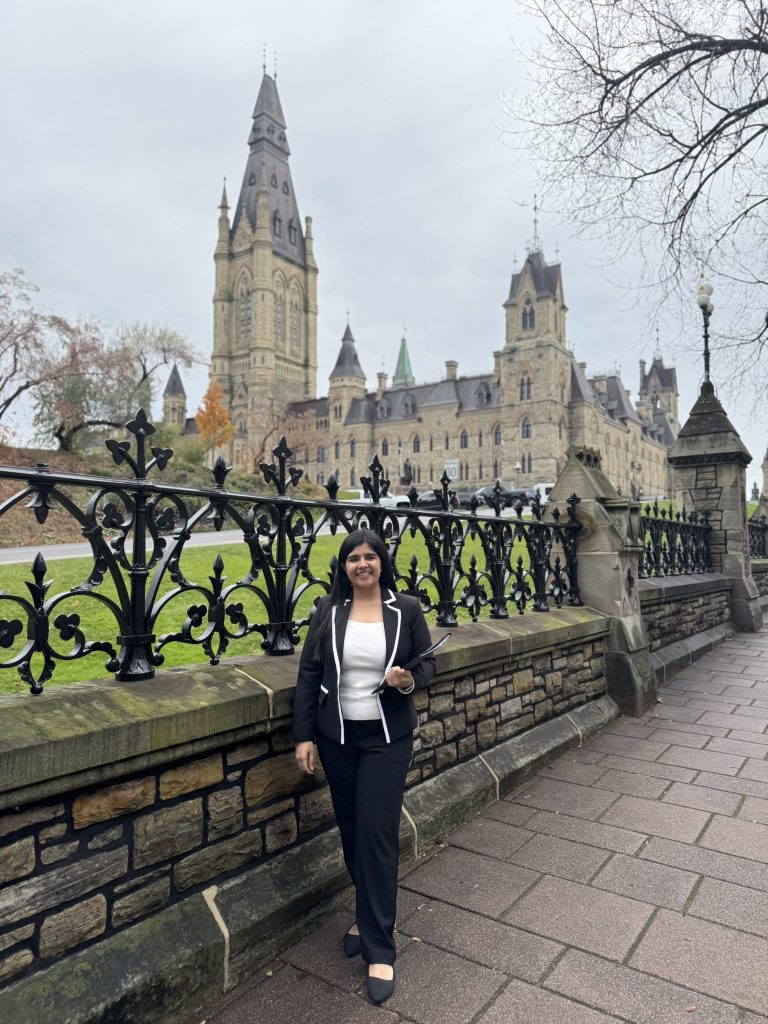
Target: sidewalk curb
x=172, y=965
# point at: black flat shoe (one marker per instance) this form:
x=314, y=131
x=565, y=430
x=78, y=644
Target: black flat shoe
x=351, y=945
x=379, y=989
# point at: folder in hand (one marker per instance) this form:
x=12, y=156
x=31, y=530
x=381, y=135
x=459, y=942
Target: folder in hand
x=414, y=661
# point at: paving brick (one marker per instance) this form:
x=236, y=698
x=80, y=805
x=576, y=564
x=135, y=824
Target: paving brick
x=320, y=954
x=694, y=684
x=747, y=787
x=680, y=739
x=719, y=707
x=744, y=747
x=643, y=750
x=521, y=1002
x=742, y=838
x=739, y=734
x=578, y=915
x=741, y=722
x=634, y=996
x=586, y=756
x=755, y=770
x=470, y=880
x=651, y=768
x=513, y=814
x=605, y=837
x=493, y=838
x=571, y=771
x=703, y=760
x=490, y=943
x=665, y=712
x=708, y=862
x=425, y=993
x=560, y=857
x=655, y=818
x=645, y=880
x=565, y=798
x=628, y=727
x=702, y=798
x=755, y=810
x=692, y=727
x=734, y=905
x=716, y=960
x=632, y=785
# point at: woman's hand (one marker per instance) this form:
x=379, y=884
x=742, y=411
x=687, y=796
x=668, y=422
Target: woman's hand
x=305, y=757
x=400, y=678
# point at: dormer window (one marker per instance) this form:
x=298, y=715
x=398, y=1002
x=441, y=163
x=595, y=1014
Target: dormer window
x=384, y=410
x=286, y=190
x=409, y=406
x=483, y=395
x=293, y=232
x=277, y=226
x=529, y=315
x=273, y=180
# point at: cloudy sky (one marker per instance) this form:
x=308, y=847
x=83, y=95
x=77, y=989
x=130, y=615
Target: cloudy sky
x=119, y=122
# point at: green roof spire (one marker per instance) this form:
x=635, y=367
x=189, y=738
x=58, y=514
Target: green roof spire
x=403, y=377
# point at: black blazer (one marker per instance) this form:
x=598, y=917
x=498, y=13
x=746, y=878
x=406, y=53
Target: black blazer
x=317, y=707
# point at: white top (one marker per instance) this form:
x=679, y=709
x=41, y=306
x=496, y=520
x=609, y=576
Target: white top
x=362, y=667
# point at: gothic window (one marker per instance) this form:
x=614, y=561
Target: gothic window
x=526, y=428
x=352, y=477
x=525, y=388
x=480, y=438
x=321, y=454
x=447, y=442
x=418, y=474
x=278, y=314
x=240, y=426
x=384, y=409
x=277, y=225
x=530, y=463
x=528, y=388
x=461, y=471
x=293, y=232
x=352, y=448
x=497, y=434
x=430, y=442
x=244, y=311
x=529, y=315
x=416, y=444
x=321, y=478
x=337, y=450
x=385, y=447
x=480, y=471
x=294, y=321
x=408, y=406
x=496, y=473
x=463, y=439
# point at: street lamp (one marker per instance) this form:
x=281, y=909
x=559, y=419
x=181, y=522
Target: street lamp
x=518, y=467
x=704, y=300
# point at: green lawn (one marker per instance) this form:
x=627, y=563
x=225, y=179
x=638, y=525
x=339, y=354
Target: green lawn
x=98, y=623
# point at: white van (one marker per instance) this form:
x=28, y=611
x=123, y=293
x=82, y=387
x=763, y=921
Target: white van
x=544, y=490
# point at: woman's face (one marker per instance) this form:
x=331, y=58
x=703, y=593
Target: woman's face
x=363, y=567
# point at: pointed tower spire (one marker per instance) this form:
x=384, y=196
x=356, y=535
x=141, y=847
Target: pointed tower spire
x=347, y=364
x=222, y=242
x=403, y=376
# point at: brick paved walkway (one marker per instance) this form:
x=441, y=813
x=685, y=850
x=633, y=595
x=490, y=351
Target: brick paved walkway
x=627, y=881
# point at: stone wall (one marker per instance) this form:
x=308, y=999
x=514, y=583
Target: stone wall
x=760, y=575
x=118, y=800
x=677, y=608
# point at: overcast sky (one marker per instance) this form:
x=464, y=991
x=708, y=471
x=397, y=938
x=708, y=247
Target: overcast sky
x=119, y=121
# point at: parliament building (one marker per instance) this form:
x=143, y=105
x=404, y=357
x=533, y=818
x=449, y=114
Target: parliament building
x=514, y=422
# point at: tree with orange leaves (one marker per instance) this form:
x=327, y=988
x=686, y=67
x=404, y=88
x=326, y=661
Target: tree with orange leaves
x=212, y=417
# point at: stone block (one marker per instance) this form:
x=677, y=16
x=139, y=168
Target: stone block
x=47, y=835
x=477, y=708
x=523, y=680
x=445, y=755
x=21, y=819
x=277, y=776
x=70, y=927
x=33, y=895
x=225, y=812
x=454, y=725
x=315, y=809
x=53, y=854
x=187, y=778
x=280, y=832
x=464, y=688
x=421, y=700
x=17, y=860
x=216, y=860
x=543, y=710
x=441, y=704
x=431, y=734
x=486, y=733
x=146, y=900
x=282, y=740
x=270, y=811
x=17, y=935
x=498, y=693
x=106, y=838
x=467, y=747
x=511, y=708
x=15, y=963
x=112, y=801
x=247, y=752
x=167, y=832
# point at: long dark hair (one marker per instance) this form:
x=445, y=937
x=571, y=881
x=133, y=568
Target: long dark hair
x=341, y=588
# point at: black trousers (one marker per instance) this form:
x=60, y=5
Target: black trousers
x=366, y=776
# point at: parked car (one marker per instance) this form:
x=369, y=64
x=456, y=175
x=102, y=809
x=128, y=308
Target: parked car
x=464, y=498
x=509, y=497
x=428, y=500
x=361, y=498
x=544, y=490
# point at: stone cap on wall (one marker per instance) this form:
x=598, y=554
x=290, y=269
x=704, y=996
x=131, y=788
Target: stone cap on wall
x=708, y=435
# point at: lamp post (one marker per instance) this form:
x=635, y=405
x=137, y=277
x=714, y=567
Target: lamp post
x=518, y=467
x=704, y=300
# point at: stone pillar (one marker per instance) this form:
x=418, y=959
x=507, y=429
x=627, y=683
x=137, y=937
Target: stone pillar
x=709, y=462
x=610, y=546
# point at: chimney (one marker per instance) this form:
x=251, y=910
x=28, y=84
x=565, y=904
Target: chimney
x=381, y=386
x=583, y=368
x=451, y=366
x=496, y=367
x=600, y=384
x=642, y=373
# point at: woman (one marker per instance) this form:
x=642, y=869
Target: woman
x=361, y=632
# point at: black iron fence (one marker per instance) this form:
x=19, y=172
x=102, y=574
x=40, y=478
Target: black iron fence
x=138, y=527
x=676, y=543
x=758, y=528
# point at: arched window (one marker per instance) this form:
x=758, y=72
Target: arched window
x=529, y=315
x=409, y=406
x=525, y=388
x=244, y=311
x=496, y=473
x=528, y=388
x=480, y=471
x=352, y=480
x=294, y=319
x=497, y=434
x=480, y=438
x=385, y=447
x=416, y=444
x=352, y=447
x=447, y=442
x=463, y=439
x=337, y=450
x=278, y=313
x=526, y=428
x=430, y=442
x=320, y=453
x=530, y=463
